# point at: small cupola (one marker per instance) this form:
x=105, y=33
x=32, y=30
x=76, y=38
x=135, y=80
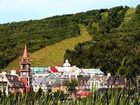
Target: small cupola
x=66, y=64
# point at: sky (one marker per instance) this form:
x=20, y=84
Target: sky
x=21, y=10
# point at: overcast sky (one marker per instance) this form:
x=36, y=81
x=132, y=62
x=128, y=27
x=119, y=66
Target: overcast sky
x=20, y=10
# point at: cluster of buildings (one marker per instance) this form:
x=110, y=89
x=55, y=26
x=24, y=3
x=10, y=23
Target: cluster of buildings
x=33, y=78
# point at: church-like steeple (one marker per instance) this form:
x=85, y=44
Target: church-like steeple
x=25, y=52
x=25, y=70
x=25, y=57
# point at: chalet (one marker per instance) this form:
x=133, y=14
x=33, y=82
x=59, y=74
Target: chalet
x=117, y=82
x=10, y=83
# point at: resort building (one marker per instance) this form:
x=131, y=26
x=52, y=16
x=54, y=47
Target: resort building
x=10, y=83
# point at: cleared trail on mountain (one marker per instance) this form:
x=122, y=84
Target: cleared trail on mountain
x=53, y=55
x=128, y=17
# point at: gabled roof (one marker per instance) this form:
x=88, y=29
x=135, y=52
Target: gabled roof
x=12, y=78
x=52, y=75
x=14, y=81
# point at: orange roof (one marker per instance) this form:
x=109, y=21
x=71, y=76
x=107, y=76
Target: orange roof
x=25, y=52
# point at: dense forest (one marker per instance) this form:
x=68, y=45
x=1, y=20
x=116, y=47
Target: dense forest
x=116, y=45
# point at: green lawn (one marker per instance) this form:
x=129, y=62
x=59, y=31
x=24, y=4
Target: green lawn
x=53, y=55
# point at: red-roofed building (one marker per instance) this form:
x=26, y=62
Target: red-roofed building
x=83, y=94
x=53, y=69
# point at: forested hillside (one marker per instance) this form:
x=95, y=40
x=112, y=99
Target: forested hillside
x=116, y=47
x=40, y=33
x=53, y=55
x=36, y=34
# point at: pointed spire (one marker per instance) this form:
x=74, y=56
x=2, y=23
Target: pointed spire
x=25, y=52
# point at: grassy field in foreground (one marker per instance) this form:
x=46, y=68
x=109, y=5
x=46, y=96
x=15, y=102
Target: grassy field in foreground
x=53, y=55
x=109, y=97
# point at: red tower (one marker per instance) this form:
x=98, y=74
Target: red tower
x=25, y=70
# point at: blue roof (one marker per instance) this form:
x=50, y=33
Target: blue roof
x=39, y=70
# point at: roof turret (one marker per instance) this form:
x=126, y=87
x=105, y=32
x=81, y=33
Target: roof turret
x=66, y=64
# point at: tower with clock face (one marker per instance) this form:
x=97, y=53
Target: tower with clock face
x=25, y=70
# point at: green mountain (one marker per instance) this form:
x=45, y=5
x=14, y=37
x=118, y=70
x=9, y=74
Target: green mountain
x=38, y=34
x=114, y=48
